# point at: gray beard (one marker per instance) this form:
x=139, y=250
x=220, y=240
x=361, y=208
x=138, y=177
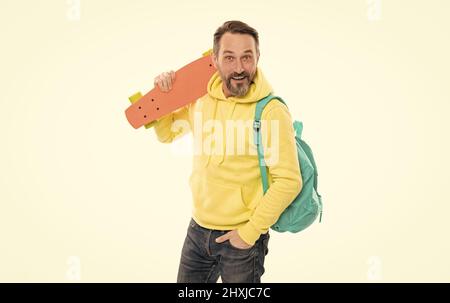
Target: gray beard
x=240, y=89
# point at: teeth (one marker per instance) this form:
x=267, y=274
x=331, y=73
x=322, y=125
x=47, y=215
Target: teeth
x=239, y=78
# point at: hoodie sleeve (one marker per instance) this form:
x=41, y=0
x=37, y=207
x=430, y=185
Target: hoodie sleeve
x=173, y=125
x=284, y=171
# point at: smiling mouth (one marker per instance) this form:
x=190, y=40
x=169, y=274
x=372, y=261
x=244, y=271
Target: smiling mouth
x=239, y=79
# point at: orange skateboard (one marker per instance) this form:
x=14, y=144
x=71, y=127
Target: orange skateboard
x=189, y=85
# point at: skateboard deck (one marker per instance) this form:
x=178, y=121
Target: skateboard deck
x=190, y=84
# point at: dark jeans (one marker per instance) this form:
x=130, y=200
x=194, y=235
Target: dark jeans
x=203, y=260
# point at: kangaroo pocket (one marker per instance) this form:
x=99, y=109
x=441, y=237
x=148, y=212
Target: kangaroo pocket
x=218, y=204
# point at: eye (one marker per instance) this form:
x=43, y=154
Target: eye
x=228, y=58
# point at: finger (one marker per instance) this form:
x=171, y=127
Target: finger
x=168, y=80
x=164, y=82
x=159, y=82
x=222, y=238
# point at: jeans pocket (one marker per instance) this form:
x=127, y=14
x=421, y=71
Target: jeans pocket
x=265, y=243
x=237, y=248
x=194, y=226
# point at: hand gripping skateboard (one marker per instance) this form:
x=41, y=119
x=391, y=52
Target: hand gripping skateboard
x=190, y=84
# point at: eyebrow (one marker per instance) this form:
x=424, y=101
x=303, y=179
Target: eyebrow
x=246, y=51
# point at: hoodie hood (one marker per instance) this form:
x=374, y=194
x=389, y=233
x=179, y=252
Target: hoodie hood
x=259, y=89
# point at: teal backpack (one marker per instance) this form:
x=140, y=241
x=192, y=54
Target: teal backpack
x=305, y=208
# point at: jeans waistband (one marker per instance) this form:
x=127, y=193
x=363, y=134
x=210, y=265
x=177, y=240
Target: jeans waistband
x=193, y=223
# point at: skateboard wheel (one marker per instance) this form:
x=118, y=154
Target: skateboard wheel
x=135, y=97
x=208, y=52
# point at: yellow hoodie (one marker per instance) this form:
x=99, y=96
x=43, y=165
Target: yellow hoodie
x=226, y=183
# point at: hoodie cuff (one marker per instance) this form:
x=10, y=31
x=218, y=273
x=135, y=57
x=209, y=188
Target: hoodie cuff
x=248, y=233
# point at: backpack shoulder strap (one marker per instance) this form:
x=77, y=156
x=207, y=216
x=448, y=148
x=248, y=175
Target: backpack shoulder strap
x=257, y=137
x=262, y=103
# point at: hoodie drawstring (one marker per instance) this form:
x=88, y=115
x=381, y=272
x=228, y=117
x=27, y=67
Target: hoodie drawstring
x=223, y=145
x=213, y=130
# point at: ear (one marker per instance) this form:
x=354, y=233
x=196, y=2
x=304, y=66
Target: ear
x=214, y=60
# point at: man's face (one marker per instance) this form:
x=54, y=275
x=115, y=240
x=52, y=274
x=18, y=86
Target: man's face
x=237, y=57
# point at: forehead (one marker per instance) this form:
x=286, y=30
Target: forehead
x=237, y=43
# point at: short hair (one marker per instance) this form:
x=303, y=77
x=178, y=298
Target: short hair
x=234, y=27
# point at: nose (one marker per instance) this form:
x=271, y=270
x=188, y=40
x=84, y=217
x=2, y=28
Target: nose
x=239, y=68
